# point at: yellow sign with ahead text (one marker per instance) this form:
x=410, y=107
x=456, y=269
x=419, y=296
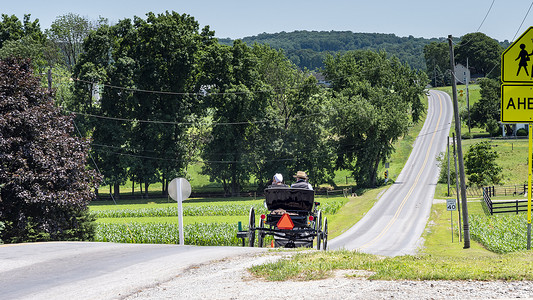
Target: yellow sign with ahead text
x=517, y=103
x=517, y=65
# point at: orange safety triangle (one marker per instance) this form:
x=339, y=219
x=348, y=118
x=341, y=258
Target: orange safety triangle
x=285, y=222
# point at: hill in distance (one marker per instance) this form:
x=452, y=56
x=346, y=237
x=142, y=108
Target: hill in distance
x=307, y=49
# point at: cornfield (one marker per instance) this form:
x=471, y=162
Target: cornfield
x=199, y=234
x=500, y=233
x=328, y=208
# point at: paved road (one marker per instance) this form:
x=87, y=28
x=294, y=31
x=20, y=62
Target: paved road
x=396, y=222
x=79, y=270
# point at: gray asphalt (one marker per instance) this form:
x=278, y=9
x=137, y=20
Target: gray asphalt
x=83, y=270
x=396, y=222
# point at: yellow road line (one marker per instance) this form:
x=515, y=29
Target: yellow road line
x=404, y=201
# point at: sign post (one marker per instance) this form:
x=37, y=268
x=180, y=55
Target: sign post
x=530, y=165
x=179, y=189
x=451, y=206
x=517, y=98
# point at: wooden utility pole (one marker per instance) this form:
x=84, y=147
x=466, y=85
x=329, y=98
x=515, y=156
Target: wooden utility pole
x=457, y=187
x=448, y=154
x=466, y=229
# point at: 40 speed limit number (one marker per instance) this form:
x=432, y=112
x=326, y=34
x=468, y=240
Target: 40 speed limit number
x=451, y=205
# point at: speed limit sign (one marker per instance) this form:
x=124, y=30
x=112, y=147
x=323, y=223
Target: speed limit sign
x=451, y=205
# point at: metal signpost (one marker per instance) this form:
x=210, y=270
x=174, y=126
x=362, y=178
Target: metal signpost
x=451, y=206
x=179, y=189
x=517, y=97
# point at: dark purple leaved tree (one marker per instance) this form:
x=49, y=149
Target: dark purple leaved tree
x=45, y=185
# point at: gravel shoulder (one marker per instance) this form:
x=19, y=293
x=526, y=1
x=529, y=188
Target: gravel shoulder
x=229, y=279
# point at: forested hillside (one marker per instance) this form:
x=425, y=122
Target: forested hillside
x=308, y=48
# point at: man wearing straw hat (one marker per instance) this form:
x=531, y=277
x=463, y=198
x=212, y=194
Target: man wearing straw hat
x=301, y=181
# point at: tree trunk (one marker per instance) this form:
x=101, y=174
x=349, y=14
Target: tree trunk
x=164, y=186
x=234, y=184
x=146, y=184
x=116, y=191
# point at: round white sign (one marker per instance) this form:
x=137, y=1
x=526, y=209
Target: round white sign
x=185, y=188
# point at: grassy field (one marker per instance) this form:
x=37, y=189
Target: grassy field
x=440, y=259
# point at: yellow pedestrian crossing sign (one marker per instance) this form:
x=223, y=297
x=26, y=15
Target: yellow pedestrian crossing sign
x=517, y=65
x=517, y=103
x=517, y=79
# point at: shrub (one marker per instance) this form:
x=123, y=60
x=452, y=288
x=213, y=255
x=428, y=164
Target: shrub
x=521, y=132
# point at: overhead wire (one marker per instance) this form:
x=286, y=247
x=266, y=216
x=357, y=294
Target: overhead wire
x=519, y=27
x=485, y=16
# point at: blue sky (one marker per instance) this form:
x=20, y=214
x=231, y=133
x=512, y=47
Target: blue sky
x=240, y=18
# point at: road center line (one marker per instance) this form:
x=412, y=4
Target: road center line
x=404, y=201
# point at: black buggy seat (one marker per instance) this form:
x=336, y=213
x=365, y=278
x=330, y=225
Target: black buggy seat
x=290, y=199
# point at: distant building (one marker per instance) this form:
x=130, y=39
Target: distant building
x=462, y=74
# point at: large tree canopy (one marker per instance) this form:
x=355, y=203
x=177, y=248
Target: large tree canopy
x=376, y=99
x=45, y=186
x=437, y=55
x=161, y=54
x=483, y=54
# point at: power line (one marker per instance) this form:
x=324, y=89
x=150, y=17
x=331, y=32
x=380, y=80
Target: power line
x=527, y=13
x=485, y=16
x=479, y=27
x=196, y=94
x=193, y=123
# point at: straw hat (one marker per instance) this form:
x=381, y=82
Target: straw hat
x=301, y=174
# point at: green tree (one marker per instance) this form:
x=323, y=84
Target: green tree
x=296, y=134
x=161, y=54
x=12, y=29
x=437, y=59
x=481, y=166
x=372, y=96
x=239, y=106
x=486, y=112
x=45, y=185
x=483, y=54
x=68, y=32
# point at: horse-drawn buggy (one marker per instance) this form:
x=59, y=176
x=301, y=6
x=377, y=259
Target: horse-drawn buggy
x=293, y=220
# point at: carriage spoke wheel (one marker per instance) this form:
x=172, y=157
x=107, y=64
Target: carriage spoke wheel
x=261, y=233
x=325, y=235
x=318, y=228
x=251, y=228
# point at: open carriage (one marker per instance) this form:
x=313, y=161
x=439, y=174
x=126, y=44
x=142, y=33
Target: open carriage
x=293, y=220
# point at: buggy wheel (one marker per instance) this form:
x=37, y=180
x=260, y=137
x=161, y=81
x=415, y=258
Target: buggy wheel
x=261, y=233
x=325, y=235
x=251, y=228
x=318, y=228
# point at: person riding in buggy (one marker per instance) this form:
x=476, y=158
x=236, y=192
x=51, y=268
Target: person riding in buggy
x=293, y=220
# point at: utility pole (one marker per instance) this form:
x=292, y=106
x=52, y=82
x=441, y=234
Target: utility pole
x=461, y=170
x=467, y=96
x=457, y=187
x=448, y=154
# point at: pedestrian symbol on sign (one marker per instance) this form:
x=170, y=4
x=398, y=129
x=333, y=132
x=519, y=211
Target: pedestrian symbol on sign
x=524, y=58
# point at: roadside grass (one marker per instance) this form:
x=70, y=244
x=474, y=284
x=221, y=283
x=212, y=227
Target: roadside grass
x=512, y=159
x=440, y=259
